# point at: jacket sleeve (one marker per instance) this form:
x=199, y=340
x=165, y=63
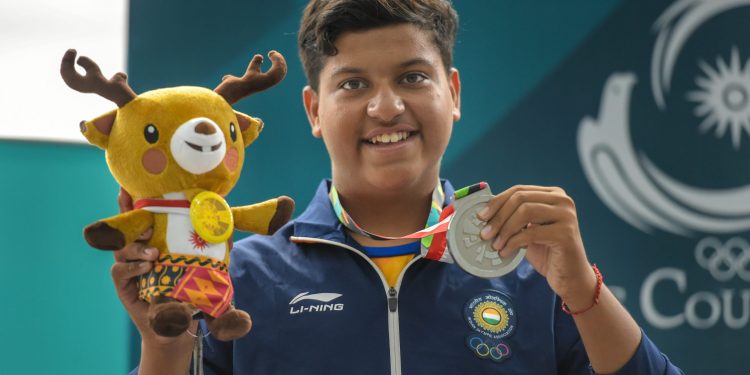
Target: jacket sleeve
x=569, y=351
x=648, y=360
x=573, y=360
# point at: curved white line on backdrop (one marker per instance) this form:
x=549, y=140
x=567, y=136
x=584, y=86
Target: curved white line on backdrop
x=675, y=26
x=731, y=202
x=610, y=163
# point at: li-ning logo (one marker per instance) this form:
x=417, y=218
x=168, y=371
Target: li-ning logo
x=325, y=298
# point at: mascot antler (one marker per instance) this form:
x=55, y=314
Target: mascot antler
x=115, y=89
x=233, y=88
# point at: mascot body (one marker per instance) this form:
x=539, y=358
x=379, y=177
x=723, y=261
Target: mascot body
x=178, y=151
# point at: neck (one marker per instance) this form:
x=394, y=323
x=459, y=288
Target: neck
x=391, y=214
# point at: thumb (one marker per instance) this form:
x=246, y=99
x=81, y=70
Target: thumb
x=124, y=200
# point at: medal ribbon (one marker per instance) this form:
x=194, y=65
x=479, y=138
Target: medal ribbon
x=163, y=206
x=176, y=203
x=433, y=242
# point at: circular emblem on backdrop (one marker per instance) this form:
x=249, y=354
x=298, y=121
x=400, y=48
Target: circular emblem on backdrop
x=491, y=314
x=211, y=217
x=637, y=189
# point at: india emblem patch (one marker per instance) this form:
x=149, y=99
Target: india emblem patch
x=492, y=318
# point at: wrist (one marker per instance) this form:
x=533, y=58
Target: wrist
x=160, y=356
x=167, y=346
x=584, y=294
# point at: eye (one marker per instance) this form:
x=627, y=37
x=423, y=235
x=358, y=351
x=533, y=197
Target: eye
x=151, y=133
x=353, y=84
x=414, y=78
x=232, y=131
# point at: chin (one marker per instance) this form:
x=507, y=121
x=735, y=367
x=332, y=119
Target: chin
x=399, y=178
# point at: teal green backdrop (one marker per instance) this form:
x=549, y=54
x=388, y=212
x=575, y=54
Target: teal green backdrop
x=531, y=72
x=60, y=311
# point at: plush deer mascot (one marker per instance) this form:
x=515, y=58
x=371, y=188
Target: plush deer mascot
x=178, y=151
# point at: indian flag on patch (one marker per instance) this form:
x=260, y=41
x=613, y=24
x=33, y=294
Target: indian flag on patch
x=491, y=316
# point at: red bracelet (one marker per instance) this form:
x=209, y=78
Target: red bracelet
x=599, y=281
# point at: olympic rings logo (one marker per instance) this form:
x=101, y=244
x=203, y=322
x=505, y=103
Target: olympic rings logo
x=496, y=353
x=724, y=260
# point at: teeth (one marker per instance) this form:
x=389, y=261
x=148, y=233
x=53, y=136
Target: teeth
x=389, y=138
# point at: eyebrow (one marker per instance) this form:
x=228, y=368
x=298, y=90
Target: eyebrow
x=416, y=61
x=346, y=70
x=405, y=64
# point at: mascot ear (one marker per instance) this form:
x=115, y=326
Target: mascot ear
x=97, y=130
x=249, y=126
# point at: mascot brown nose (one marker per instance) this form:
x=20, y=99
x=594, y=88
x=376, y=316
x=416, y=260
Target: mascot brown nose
x=205, y=128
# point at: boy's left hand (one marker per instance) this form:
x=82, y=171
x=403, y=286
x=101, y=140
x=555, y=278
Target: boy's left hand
x=544, y=221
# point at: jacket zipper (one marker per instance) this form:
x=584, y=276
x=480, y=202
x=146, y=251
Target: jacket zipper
x=394, y=338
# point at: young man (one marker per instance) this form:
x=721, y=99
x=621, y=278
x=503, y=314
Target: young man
x=327, y=298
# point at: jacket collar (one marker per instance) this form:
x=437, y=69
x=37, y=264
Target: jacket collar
x=320, y=221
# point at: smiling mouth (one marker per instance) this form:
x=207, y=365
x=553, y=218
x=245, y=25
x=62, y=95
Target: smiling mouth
x=200, y=148
x=390, y=138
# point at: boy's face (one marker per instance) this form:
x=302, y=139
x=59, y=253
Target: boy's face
x=385, y=108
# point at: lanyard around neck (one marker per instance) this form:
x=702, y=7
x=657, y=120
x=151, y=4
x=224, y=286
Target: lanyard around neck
x=436, y=208
x=432, y=238
x=448, y=242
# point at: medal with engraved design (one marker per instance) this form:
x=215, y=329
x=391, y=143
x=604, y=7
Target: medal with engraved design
x=469, y=251
x=211, y=217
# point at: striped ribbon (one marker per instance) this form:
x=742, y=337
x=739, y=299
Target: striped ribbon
x=432, y=238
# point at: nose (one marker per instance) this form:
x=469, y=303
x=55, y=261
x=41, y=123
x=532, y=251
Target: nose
x=385, y=105
x=204, y=128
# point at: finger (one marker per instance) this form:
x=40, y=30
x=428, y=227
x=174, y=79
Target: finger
x=526, y=214
x=124, y=272
x=124, y=200
x=510, y=253
x=145, y=236
x=125, y=280
x=136, y=251
x=537, y=235
x=499, y=200
x=127, y=291
x=512, y=203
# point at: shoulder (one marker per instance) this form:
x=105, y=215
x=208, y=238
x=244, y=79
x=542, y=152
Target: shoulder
x=261, y=251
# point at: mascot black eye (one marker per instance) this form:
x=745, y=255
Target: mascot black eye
x=151, y=133
x=233, y=131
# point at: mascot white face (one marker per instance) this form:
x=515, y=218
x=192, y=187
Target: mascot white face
x=198, y=145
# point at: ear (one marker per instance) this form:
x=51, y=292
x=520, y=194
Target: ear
x=455, y=84
x=97, y=130
x=249, y=126
x=310, y=100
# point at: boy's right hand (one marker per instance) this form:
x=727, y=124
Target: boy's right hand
x=133, y=260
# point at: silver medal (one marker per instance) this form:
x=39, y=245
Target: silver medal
x=469, y=251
